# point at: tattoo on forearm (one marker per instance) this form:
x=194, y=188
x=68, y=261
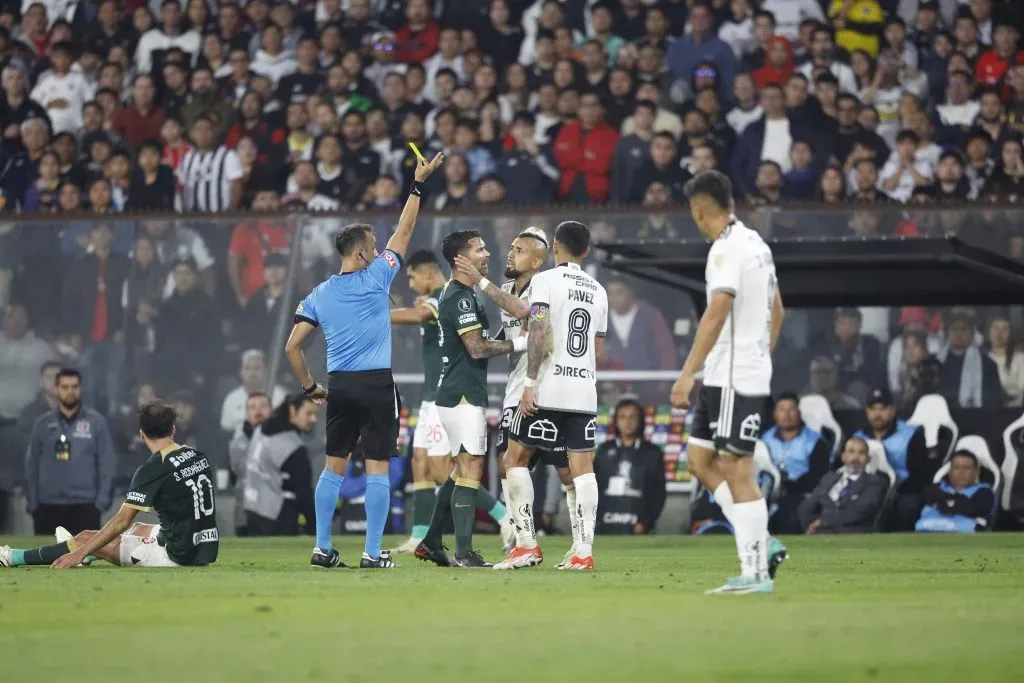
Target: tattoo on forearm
x=537, y=342
x=507, y=301
x=479, y=347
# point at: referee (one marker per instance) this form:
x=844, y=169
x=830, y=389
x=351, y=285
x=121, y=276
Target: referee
x=353, y=309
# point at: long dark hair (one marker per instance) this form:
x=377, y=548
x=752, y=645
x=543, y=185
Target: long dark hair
x=1011, y=343
x=283, y=414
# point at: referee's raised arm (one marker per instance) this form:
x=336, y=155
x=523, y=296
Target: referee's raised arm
x=353, y=310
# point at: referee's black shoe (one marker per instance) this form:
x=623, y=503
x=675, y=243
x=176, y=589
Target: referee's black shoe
x=438, y=556
x=382, y=562
x=327, y=560
x=472, y=560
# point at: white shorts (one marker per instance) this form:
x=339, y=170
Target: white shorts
x=466, y=426
x=144, y=551
x=430, y=434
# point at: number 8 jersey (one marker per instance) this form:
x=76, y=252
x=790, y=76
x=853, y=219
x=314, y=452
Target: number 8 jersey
x=177, y=483
x=578, y=313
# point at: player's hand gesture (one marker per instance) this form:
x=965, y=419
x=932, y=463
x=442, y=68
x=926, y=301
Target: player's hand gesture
x=68, y=561
x=528, y=403
x=424, y=168
x=318, y=395
x=681, y=390
x=466, y=269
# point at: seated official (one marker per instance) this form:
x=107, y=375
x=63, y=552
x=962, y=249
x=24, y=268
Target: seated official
x=630, y=476
x=848, y=500
x=801, y=456
x=278, y=476
x=905, y=448
x=960, y=502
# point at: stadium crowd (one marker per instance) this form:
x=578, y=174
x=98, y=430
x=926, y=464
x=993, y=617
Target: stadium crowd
x=112, y=110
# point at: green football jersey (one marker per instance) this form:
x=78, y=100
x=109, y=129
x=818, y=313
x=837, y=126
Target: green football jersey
x=430, y=338
x=463, y=378
x=176, y=482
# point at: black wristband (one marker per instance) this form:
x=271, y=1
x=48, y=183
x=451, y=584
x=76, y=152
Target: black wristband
x=310, y=390
x=417, y=189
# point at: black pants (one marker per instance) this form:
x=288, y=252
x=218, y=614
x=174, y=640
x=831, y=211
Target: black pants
x=286, y=523
x=74, y=518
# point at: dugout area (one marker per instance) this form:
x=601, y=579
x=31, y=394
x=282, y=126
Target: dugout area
x=847, y=271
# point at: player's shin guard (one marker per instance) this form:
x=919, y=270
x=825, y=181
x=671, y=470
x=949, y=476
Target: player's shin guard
x=586, y=508
x=325, y=502
x=723, y=496
x=377, y=502
x=441, y=514
x=521, y=505
x=751, y=530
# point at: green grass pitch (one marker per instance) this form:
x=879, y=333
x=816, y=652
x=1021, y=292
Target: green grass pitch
x=871, y=608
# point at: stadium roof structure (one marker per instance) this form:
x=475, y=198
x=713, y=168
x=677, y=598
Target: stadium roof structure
x=851, y=271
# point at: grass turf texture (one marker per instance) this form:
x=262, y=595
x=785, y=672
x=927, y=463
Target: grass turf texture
x=878, y=608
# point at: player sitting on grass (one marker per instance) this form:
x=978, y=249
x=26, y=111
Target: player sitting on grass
x=174, y=481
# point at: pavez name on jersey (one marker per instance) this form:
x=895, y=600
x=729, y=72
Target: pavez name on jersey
x=176, y=483
x=741, y=264
x=578, y=313
x=463, y=378
x=513, y=328
x=429, y=337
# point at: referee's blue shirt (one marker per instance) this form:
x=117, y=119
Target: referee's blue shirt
x=354, y=312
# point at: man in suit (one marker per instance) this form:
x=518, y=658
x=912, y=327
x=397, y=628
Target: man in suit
x=848, y=500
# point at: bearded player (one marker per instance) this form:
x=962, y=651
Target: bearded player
x=567, y=324
x=733, y=345
x=431, y=453
x=526, y=257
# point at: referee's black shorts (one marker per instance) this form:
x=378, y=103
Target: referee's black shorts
x=362, y=407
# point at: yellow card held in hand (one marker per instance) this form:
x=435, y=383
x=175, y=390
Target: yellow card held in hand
x=416, y=151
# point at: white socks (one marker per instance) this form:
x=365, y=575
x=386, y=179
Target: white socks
x=504, y=489
x=586, y=509
x=750, y=525
x=520, y=504
x=723, y=496
x=574, y=517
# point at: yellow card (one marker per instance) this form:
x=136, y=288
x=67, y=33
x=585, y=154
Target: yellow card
x=416, y=151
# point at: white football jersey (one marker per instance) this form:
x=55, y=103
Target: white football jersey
x=741, y=263
x=578, y=313
x=513, y=329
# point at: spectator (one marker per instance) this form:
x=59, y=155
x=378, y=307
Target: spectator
x=257, y=410
x=633, y=150
x=662, y=166
x=1007, y=182
x=263, y=309
x=70, y=464
x=207, y=103
x=748, y=108
x=306, y=181
x=306, y=80
x=490, y=190
x=768, y=188
x=865, y=185
x=16, y=106
x=210, y=175
x=914, y=464
x=769, y=138
x=913, y=320
x=157, y=41
x=93, y=316
x=992, y=119
x=801, y=182
x=467, y=144
x=903, y=172
x=272, y=59
x=1009, y=360
x=824, y=381
x=950, y=184
x=959, y=503
x=824, y=58
x=701, y=44
x=61, y=91
x=852, y=142
x=143, y=119
x=584, y=151
x=858, y=356
x=187, y=333
x=638, y=336
x=832, y=186
x=527, y=171
x=738, y=29
x=919, y=372
x=42, y=195
x=801, y=456
x=21, y=355
x=152, y=183
x=848, y=500
x=630, y=475
x=959, y=111
x=418, y=39
x=779, y=65
x=969, y=376
x=253, y=373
